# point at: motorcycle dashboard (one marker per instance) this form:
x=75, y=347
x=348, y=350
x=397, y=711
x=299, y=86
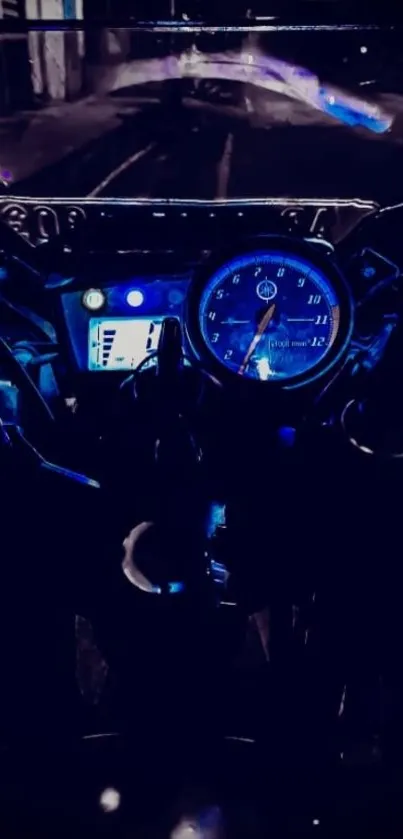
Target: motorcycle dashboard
x=266, y=292
x=276, y=312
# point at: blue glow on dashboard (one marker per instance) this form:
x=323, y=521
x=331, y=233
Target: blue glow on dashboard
x=287, y=436
x=135, y=298
x=215, y=518
x=176, y=588
x=9, y=402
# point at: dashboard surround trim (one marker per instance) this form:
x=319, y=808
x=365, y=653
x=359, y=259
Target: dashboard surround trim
x=40, y=220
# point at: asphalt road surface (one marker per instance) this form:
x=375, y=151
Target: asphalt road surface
x=207, y=151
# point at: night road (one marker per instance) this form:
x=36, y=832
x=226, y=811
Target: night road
x=208, y=151
x=211, y=117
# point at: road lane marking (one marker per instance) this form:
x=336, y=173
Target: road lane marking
x=224, y=168
x=118, y=171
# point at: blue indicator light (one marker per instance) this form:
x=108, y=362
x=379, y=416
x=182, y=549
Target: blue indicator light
x=287, y=436
x=135, y=298
x=176, y=297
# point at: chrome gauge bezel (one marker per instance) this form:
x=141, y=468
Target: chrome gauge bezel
x=295, y=248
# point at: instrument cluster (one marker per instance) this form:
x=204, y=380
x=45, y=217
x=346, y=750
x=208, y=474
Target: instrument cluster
x=279, y=319
x=275, y=311
x=114, y=327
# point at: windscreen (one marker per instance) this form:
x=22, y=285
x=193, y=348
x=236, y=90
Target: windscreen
x=185, y=111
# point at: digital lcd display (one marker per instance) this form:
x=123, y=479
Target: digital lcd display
x=121, y=343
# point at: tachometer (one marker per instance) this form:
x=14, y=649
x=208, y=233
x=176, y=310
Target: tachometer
x=274, y=315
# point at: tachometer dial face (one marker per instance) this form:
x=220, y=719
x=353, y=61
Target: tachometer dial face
x=270, y=316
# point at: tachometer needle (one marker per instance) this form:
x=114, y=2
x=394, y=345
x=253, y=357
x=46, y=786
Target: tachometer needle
x=263, y=324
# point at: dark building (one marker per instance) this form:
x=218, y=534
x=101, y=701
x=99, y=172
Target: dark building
x=15, y=74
